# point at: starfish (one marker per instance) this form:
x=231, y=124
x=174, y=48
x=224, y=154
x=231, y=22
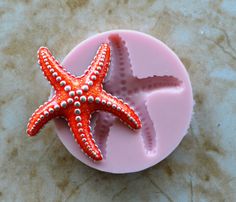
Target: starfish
x=77, y=97
x=125, y=85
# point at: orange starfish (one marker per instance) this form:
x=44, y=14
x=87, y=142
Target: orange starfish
x=76, y=98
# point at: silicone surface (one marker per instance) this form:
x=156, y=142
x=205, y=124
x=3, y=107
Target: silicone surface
x=150, y=77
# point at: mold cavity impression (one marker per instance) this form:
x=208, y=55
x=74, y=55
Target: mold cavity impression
x=122, y=83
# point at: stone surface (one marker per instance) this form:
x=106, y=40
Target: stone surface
x=202, y=33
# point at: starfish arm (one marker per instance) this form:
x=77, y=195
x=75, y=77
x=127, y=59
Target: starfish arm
x=153, y=83
x=57, y=76
x=79, y=125
x=42, y=115
x=99, y=66
x=103, y=122
x=121, y=59
x=122, y=110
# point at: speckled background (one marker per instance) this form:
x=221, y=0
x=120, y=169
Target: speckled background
x=202, y=33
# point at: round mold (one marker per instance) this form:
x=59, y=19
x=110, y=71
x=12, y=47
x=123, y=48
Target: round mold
x=150, y=77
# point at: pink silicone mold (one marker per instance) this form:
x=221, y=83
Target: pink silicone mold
x=146, y=74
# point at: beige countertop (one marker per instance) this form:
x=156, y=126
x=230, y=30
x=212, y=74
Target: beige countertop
x=202, y=33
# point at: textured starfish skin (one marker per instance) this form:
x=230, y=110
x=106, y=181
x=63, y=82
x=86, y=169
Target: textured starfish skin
x=76, y=98
x=125, y=85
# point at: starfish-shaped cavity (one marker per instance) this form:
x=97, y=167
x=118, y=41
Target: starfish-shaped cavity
x=122, y=83
x=76, y=98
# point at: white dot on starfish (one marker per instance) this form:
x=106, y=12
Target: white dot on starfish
x=77, y=104
x=82, y=135
x=88, y=147
x=85, y=87
x=93, y=77
x=80, y=130
x=90, y=83
x=67, y=88
x=63, y=104
x=62, y=83
x=79, y=125
x=46, y=113
x=51, y=110
x=90, y=99
x=103, y=102
x=83, y=99
x=97, y=100
x=49, y=66
x=108, y=104
x=70, y=100
x=77, y=111
x=93, y=139
x=58, y=78
x=79, y=92
x=51, y=70
x=54, y=74
x=78, y=118
x=56, y=107
x=72, y=93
